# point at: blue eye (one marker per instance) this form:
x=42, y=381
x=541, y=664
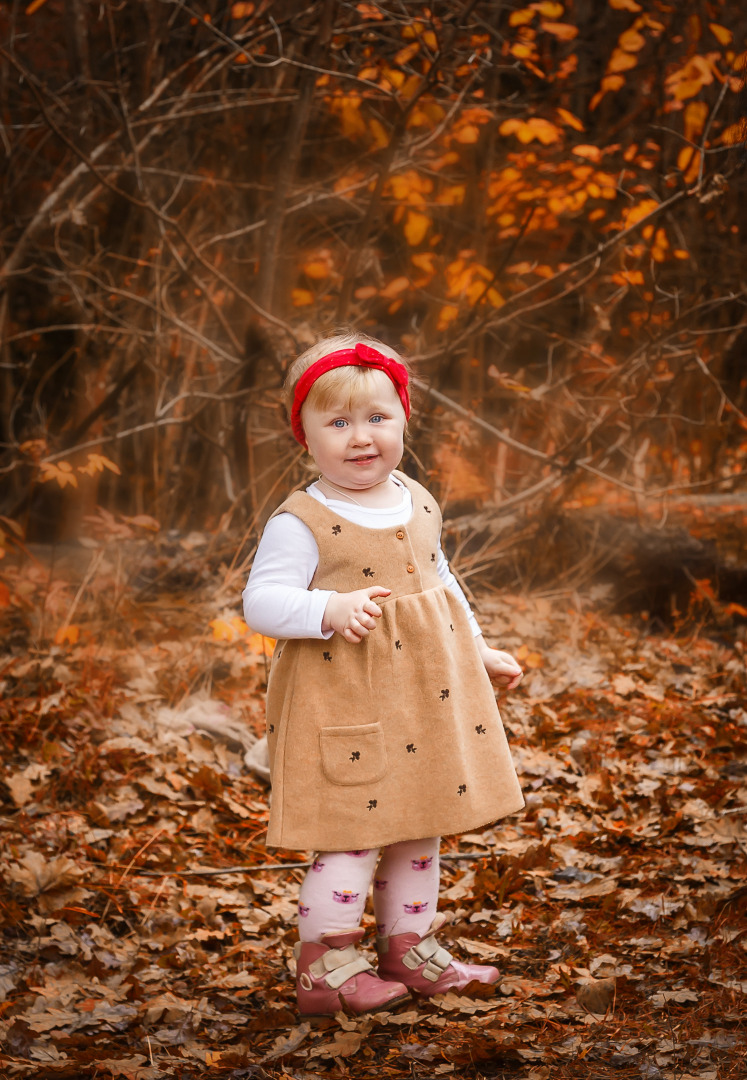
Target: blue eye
x=339, y=423
x=377, y=418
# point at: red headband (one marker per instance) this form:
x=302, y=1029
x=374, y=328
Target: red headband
x=360, y=356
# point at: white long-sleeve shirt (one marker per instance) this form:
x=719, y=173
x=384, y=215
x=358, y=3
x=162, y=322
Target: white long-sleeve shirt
x=277, y=598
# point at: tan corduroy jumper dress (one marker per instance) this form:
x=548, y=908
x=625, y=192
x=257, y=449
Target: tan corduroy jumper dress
x=397, y=737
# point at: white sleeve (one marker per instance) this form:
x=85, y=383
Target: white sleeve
x=453, y=585
x=277, y=599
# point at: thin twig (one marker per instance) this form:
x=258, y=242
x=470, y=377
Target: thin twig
x=210, y=871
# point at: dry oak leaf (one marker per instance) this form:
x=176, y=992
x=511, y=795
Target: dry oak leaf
x=596, y=995
x=35, y=874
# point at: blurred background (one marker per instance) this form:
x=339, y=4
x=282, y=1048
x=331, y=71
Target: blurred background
x=542, y=206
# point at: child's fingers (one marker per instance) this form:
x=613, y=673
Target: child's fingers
x=377, y=590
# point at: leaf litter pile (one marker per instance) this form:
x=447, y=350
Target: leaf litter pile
x=614, y=905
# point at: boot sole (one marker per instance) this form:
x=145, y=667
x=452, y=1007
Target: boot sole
x=386, y=1006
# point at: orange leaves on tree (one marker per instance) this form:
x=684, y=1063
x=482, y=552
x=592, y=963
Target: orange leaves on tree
x=570, y=120
x=34, y=6
x=634, y=214
x=723, y=35
x=62, y=473
x=534, y=128
x=631, y=41
x=302, y=297
x=562, y=31
x=628, y=277
x=625, y=5
x=689, y=80
x=97, y=463
x=241, y=10
x=369, y=11
x=404, y=56
x=587, y=151
x=416, y=226
x=621, y=61
x=695, y=115
x=522, y=17
x=548, y=9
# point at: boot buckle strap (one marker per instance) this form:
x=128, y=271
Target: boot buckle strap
x=339, y=965
x=430, y=953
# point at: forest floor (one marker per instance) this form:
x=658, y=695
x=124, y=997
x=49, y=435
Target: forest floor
x=614, y=904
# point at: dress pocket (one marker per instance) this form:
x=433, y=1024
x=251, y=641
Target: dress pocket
x=353, y=755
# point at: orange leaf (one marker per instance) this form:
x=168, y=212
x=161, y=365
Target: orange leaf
x=405, y=55
x=260, y=645
x=624, y=5
x=520, y=17
x=696, y=113
x=241, y=11
x=425, y=262
x=4, y=594
x=621, y=61
x=97, y=463
x=571, y=120
x=628, y=277
x=591, y=153
x=301, y=297
x=62, y=473
x=67, y=635
x=562, y=31
x=395, y=287
x=34, y=6
x=316, y=269
x=416, y=226
x=721, y=33
x=470, y=133
x=631, y=41
x=733, y=134
x=549, y=9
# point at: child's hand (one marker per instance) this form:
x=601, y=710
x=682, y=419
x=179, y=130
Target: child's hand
x=353, y=614
x=501, y=667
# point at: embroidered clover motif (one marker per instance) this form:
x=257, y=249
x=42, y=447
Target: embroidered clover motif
x=398, y=644
x=355, y=756
x=462, y=789
x=451, y=626
x=433, y=556
x=336, y=530
x=368, y=572
x=443, y=695
x=271, y=729
x=427, y=509
x=411, y=748
x=480, y=729
x=372, y=804
x=327, y=656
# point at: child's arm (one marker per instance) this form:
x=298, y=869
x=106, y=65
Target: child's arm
x=501, y=667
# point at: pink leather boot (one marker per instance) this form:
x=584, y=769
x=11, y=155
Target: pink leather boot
x=424, y=966
x=331, y=975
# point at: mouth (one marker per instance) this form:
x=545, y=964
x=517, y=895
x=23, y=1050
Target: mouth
x=363, y=459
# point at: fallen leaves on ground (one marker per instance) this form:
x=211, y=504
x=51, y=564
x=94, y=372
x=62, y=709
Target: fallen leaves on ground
x=614, y=905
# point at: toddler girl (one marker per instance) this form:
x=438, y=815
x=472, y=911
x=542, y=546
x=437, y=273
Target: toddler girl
x=382, y=725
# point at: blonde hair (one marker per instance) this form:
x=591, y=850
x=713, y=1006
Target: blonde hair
x=347, y=386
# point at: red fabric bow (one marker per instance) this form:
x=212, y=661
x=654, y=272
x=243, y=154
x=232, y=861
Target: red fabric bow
x=361, y=356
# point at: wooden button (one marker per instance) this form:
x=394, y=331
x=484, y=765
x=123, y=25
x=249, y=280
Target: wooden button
x=400, y=535
x=410, y=569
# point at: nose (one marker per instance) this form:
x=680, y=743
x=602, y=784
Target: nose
x=360, y=434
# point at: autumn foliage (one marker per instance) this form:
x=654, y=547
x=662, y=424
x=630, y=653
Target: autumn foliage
x=539, y=204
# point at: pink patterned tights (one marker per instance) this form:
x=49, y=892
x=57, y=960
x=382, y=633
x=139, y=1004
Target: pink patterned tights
x=405, y=889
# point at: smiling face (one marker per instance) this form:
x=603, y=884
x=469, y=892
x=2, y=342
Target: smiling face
x=357, y=443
